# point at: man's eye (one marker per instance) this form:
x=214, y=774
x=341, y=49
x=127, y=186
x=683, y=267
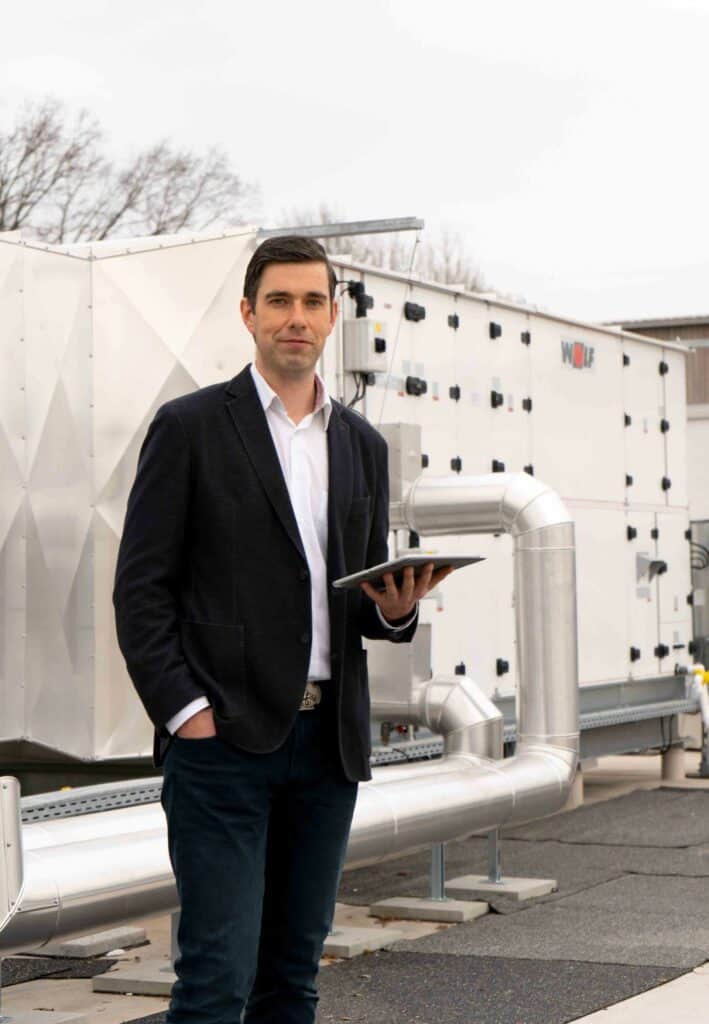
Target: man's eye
x=315, y=302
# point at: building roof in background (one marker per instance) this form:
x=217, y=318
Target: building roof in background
x=671, y=321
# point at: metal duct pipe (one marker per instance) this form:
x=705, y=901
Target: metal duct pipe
x=104, y=869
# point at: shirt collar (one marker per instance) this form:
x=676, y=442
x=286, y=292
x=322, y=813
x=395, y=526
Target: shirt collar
x=267, y=395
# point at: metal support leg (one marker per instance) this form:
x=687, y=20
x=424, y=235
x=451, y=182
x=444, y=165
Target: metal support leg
x=494, y=861
x=438, y=872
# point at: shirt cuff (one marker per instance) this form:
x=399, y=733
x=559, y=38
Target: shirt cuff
x=174, y=723
x=402, y=625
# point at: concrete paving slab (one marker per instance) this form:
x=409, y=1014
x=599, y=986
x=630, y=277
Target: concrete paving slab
x=414, y=909
x=681, y=1001
x=45, y=1017
x=148, y=978
x=349, y=942
x=511, y=886
x=97, y=943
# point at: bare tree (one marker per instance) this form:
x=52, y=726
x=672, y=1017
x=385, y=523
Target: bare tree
x=56, y=181
x=441, y=257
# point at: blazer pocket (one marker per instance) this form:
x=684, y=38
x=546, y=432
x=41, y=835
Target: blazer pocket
x=216, y=656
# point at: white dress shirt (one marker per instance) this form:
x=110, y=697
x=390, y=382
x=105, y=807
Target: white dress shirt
x=302, y=453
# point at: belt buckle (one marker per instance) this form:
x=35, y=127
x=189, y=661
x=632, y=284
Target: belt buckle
x=311, y=697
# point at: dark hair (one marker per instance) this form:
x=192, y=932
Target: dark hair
x=285, y=249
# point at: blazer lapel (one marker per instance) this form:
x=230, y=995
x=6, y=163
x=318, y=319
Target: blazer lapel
x=340, y=472
x=250, y=421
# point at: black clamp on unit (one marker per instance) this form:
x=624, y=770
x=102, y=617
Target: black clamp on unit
x=460, y=668
x=456, y=464
x=412, y=311
x=502, y=666
x=416, y=386
x=454, y=321
x=496, y=398
x=634, y=653
x=497, y=466
x=454, y=392
x=362, y=301
x=495, y=330
x=661, y=651
x=527, y=404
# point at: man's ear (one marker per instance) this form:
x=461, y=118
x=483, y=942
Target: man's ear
x=247, y=314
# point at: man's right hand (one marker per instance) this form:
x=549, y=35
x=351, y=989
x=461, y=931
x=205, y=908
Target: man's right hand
x=199, y=726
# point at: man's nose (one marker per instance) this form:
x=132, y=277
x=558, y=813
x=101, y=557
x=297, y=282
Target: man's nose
x=297, y=316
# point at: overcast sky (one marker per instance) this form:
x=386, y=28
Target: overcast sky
x=567, y=141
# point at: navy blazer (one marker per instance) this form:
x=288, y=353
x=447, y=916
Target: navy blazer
x=212, y=593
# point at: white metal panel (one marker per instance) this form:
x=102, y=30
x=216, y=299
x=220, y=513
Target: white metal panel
x=644, y=441
x=59, y=544
x=675, y=614
x=578, y=416
x=698, y=468
x=12, y=479
x=641, y=593
x=602, y=602
x=674, y=386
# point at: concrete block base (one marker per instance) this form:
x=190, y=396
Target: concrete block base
x=97, y=943
x=412, y=909
x=347, y=942
x=517, y=888
x=44, y=1017
x=673, y=765
x=149, y=978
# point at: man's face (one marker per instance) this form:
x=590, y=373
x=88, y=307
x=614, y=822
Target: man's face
x=292, y=318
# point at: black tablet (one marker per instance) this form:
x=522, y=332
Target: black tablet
x=374, y=574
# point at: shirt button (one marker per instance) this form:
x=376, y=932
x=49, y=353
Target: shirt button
x=303, y=574
x=304, y=638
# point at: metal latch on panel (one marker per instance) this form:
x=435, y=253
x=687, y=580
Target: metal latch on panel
x=416, y=386
x=454, y=321
x=664, y=426
x=497, y=466
x=495, y=330
x=454, y=392
x=526, y=337
x=502, y=666
x=661, y=651
x=496, y=398
x=362, y=301
x=527, y=404
x=634, y=653
x=456, y=464
x=414, y=312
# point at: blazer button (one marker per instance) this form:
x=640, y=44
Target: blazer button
x=305, y=638
x=303, y=574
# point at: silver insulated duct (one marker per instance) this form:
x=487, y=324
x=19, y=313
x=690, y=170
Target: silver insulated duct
x=66, y=876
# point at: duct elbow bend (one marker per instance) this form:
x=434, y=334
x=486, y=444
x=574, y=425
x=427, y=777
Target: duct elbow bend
x=456, y=708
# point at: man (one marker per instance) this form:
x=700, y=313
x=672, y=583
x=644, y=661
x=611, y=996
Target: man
x=250, y=498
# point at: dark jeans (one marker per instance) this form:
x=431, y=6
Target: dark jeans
x=257, y=844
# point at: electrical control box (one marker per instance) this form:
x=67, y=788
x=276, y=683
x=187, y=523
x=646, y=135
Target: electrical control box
x=364, y=345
